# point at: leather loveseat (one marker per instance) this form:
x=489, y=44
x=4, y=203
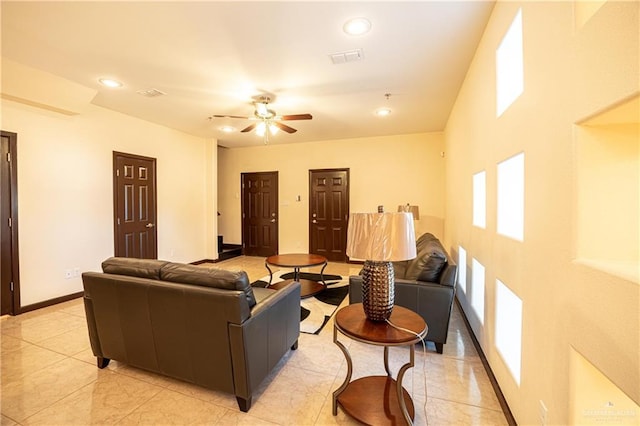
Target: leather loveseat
x=202, y=325
x=426, y=285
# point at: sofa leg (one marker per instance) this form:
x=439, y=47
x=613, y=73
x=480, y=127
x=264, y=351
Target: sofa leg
x=244, y=404
x=439, y=347
x=295, y=345
x=102, y=362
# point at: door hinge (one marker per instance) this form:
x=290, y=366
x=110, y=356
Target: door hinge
x=11, y=285
x=10, y=223
x=118, y=221
x=117, y=172
x=8, y=157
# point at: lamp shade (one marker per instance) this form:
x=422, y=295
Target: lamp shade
x=381, y=237
x=415, y=210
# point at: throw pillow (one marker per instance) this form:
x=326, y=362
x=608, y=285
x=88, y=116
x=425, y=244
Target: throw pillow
x=431, y=258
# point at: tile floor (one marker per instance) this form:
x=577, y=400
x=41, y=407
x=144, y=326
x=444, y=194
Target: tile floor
x=49, y=377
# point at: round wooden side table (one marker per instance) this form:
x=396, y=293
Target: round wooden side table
x=296, y=261
x=377, y=400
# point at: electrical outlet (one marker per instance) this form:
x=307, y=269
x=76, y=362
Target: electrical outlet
x=76, y=272
x=543, y=413
x=67, y=274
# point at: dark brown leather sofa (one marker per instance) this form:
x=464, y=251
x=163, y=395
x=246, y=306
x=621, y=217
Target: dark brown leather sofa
x=426, y=285
x=202, y=325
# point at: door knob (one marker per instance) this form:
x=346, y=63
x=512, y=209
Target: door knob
x=149, y=225
x=314, y=221
x=273, y=221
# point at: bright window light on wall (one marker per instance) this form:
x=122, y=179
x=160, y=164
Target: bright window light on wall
x=510, y=66
x=480, y=199
x=477, y=289
x=462, y=269
x=511, y=197
x=509, y=328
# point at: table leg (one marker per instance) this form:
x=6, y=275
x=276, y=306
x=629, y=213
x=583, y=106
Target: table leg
x=296, y=273
x=347, y=379
x=386, y=361
x=403, y=369
x=270, y=272
x=322, y=274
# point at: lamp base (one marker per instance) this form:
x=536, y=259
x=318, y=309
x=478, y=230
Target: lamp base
x=378, y=289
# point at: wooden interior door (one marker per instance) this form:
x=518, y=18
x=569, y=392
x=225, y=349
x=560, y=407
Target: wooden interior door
x=134, y=193
x=9, y=273
x=260, y=213
x=329, y=213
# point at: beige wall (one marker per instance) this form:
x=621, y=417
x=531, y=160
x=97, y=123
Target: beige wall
x=570, y=73
x=389, y=171
x=65, y=199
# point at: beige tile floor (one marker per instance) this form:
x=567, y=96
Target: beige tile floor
x=49, y=377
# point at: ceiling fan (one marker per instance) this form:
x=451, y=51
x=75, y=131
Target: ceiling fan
x=268, y=120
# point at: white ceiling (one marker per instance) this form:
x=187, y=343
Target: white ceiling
x=213, y=57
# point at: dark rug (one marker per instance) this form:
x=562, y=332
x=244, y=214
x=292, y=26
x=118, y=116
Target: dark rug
x=315, y=311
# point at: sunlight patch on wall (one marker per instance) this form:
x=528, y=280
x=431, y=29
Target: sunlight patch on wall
x=509, y=328
x=477, y=289
x=462, y=269
x=511, y=197
x=480, y=199
x=510, y=66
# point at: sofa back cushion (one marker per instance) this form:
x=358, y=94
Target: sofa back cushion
x=141, y=268
x=209, y=277
x=431, y=258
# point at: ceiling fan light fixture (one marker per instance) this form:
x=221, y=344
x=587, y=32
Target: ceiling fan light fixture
x=261, y=129
x=273, y=129
x=357, y=26
x=261, y=109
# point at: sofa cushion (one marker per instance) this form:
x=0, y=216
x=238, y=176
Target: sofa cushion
x=209, y=277
x=142, y=268
x=431, y=258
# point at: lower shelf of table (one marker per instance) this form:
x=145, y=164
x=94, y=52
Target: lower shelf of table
x=373, y=400
x=308, y=288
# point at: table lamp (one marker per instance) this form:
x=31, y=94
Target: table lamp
x=379, y=239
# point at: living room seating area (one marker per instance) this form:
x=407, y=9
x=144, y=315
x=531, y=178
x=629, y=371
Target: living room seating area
x=49, y=376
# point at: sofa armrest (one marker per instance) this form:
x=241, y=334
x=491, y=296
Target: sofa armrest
x=449, y=274
x=259, y=343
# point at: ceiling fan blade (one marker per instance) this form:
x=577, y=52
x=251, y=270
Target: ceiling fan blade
x=285, y=127
x=296, y=117
x=249, y=128
x=230, y=116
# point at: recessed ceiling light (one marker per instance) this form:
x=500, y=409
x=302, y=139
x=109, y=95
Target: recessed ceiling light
x=383, y=112
x=227, y=129
x=357, y=26
x=110, y=82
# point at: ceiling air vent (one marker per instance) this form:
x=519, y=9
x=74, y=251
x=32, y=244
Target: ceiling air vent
x=348, y=56
x=150, y=93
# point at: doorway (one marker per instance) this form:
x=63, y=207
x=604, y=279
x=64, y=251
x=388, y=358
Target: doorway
x=260, y=213
x=134, y=206
x=329, y=213
x=9, y=272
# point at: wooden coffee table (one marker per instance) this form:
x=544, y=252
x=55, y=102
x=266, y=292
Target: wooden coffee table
x=296, y=261
x=377, y=400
